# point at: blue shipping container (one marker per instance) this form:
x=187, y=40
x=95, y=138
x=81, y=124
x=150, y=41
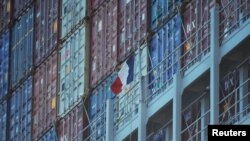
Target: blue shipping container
x=4, y=64
x=160, y=9
x=49, y=136
x=97, y=108
x=163, y=53
x=3, y=120
x=20, y=112
x=22, y=47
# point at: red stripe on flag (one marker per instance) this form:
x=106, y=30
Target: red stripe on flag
x=116, y=87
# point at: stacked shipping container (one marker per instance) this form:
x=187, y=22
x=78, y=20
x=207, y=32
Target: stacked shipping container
x=4, y=64
x=48, y=103
x=45, y=76
x=44, y=96
x=3, y=120
x=73, y=14
x=195, y=117
x=21, y=7
x=49, y=136
x=103, y=42
x=46, y=28
x=5, y=9
x=22, y=48
x=233, y=14
x=21, y=112
x=161, y=11
x=72, y=71
x=132, y=25
x=196, y=32
x=97, y=109
x=71, y=126
x=95, y=4
x=228, y=98
x=164, y=51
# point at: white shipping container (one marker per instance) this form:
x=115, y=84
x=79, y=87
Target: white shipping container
x=73, y=11
x=72, y=71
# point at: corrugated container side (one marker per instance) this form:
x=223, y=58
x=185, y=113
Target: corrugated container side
x=103, y=42
x=72, y=71
x=46, y=28
x=50, y=135
x=20, y=6
x=132, y=21
x=196, y=32
x=4, y=64
x=44, y=96
x=97, y=108
x=228, y=106
x=71, y=126
x=73, y=12
x=5, y=8
x=3, y=120
x=163, y=53
x=20, y=112
x=22, y=47
x=96, y=3
x=126, y=103
x=161, y=10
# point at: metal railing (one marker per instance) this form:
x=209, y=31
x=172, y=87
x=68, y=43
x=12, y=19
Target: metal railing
x=233, y=15
x=96, y=129
x=235, y=105
x=164, y=71
x=197, y=50
x=126, y=107
x=160, y=132
x=195, y=128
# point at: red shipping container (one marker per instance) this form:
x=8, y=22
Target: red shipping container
x=196, y=24
x=46, y=31
x=20, y=7
x=44, y=96
x=96, y=3
x=71, y=127
x=5, y=8
x=103, y=42
x=132, y=21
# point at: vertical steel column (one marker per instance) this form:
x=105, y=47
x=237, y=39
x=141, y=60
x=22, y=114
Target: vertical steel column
x=177, y=107
x=109, y=120
x=215, y=60
x=243, y=89
x=142, y=107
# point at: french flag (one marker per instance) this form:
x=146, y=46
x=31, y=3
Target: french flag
x=125, y=76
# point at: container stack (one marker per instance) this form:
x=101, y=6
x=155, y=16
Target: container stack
x=5, y=6
x=45, y=76
x=74, y=70
x=21, y=51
